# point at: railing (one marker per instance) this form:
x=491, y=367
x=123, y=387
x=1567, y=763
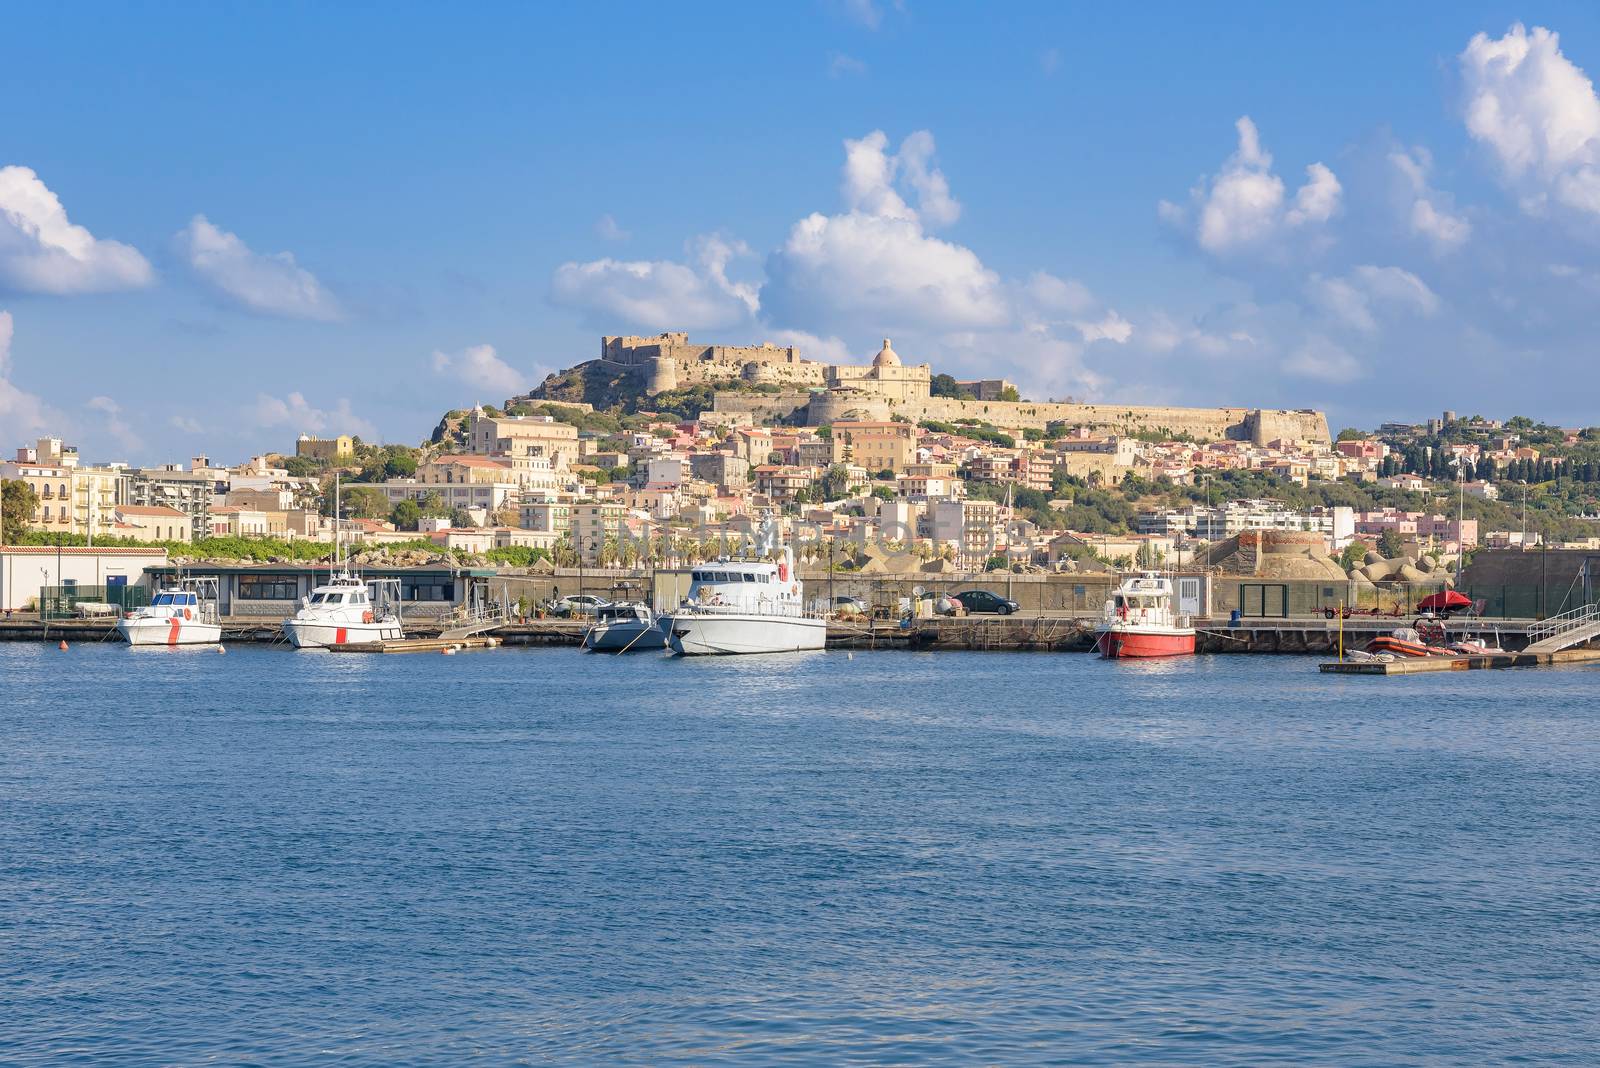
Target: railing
x=1571, y=619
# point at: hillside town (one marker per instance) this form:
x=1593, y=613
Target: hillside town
x=663, y=453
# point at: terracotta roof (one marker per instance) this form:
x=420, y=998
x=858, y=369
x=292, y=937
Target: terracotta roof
x=77, y=550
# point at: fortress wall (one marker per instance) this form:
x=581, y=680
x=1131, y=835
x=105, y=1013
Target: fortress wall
x=763, y=406
x=1265, y=426
x=1205, y=424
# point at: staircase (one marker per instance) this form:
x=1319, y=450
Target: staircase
x=1570, y=628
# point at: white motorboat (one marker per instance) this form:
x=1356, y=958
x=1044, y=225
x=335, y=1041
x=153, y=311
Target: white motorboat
x=624, y=627
x=346, y=610
x=185, y=614
x=737, y=606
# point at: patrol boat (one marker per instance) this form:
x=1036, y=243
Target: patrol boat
x=739, y=606
x=346, y=610
x=185, y=614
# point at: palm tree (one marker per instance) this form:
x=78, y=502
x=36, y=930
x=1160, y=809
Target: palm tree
x=563, y=553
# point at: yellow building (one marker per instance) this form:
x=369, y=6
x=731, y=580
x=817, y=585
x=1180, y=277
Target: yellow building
x=886, y=446
x=523, y=436
x=52, y=487
x=329, y=450
x=151, y=522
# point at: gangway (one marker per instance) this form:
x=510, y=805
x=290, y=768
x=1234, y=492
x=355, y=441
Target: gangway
x=1572, y=627
x=478, y=616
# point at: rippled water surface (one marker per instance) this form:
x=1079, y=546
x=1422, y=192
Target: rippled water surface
x=549, y=856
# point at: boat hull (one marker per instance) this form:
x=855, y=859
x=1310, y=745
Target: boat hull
x=632, y=635
x=1401, y=647
x=1126, y=643
x=172, y=631
x=316, y=634
x=734, y=633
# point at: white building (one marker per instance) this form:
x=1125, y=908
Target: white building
x=26, y=568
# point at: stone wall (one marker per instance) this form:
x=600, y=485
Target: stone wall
x=1203, y=424
x=763, y=407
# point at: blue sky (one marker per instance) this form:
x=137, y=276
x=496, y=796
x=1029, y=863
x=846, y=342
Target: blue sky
x=353, y=217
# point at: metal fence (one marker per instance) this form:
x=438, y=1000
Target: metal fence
x=82, y=602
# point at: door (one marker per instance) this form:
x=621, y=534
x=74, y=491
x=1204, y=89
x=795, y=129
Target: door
x=1264, y=600
x=1189, y=596
x=117, y=590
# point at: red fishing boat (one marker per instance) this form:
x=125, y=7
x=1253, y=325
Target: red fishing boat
x=1141, y=620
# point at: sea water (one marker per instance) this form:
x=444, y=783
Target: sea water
x=887, y=858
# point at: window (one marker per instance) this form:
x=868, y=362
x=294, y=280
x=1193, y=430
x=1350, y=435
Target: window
x=426, y=589
x=268, y=588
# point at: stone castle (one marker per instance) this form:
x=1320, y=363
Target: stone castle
x=887, y=388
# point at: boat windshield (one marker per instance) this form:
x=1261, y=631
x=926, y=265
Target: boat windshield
x=162, y=599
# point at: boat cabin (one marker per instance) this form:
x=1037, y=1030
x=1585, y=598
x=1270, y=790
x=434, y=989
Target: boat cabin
x=743, y=584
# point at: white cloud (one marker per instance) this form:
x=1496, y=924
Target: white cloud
x=187, y=424
x=841, y=65
x=661, y=294
x=294, y=412
x=109, y=418
x=19, y=411
x=42, y=251
x=866, y=13
x=1241, y=209
x=1430, y=213
x=482, y=368
x=1324, y=360
x=1537, y=113
x=1059, y=295
x=830, y=349
x=875, y=268
x=606, y=228
x=272, y=284
x=1110, y=327
x=866, y=270
x=1356, y=299
x=1398, y=287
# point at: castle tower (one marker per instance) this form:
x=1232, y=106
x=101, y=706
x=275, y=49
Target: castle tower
x=662, y=376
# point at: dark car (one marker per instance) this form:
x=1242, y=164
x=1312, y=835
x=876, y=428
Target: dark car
x=984, y=601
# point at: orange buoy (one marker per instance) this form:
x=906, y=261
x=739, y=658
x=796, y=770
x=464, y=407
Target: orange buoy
x=63, y=645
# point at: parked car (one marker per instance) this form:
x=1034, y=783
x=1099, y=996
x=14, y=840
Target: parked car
x=976, y=601
x=578, y=604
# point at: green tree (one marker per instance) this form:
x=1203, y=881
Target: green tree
x=947, y=386
x=1389, y=545
x=365, y=502
x=835, y=483
x=405, y=515
x=1353, y=555
x=303, y=466
x=18, y=503
x=1010, y=394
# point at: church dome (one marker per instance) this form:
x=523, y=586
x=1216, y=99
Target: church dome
x=886, y=357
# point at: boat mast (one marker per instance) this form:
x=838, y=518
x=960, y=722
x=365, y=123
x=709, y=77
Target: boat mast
x=336, y=531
